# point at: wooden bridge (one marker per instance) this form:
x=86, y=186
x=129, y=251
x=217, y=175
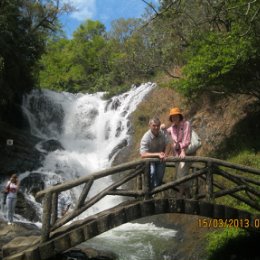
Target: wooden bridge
x=211, y=182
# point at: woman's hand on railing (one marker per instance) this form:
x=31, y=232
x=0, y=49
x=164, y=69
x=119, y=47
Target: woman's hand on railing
x=182, y=154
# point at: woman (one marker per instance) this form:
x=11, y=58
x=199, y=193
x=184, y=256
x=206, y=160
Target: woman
x=12, y=188
x=180, y=131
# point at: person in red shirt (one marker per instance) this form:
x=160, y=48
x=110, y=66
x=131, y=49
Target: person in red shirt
x=180, y=131
x=12, y=187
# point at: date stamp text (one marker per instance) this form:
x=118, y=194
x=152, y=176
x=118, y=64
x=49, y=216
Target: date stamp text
x=228, y=223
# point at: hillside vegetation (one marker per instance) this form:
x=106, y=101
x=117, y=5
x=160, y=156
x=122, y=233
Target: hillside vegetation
x=206, y=47
x=204, y=56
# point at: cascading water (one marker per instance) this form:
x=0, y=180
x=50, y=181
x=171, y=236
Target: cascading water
x=87, y=129
x=81, y=134
x=135, y=241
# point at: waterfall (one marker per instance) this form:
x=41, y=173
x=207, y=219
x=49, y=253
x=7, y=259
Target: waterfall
x=80, y=133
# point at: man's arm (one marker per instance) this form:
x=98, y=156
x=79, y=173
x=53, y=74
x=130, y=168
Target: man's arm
x=152, y=155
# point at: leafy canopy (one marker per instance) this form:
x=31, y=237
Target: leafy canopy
x=24, y=27
x=225, y=58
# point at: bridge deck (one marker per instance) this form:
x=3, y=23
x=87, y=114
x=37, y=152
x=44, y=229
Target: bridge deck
x=212, y=179
x=79, y=231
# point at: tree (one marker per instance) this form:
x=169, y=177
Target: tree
x=129, y=48
x=24, y=25
x=215, y=42
x=77, y=64
x=226, y=59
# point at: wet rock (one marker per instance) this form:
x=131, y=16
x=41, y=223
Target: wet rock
x=33, y=183
x=51, y=145
x=10, y=232
x=18, y=152
x=53, y=114
x=113, y=104
x=19, y=244
x=121, y=145
x=26, y=208
x=119, y=129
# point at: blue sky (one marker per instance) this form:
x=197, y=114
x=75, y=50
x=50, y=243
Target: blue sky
x=104, y=11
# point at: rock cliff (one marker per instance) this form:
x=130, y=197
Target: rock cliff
x=18, y=150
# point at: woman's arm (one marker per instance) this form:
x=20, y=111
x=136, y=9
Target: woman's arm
x=186, y=137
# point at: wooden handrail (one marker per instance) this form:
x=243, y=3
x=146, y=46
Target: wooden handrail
x=113, y=170
x=140, y=170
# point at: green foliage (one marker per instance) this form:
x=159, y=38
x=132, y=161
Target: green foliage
x=225, y=57
x=247, y=158
x=232, y=242
x=24, y=26
x=75, y=65
x=216, y=58
x=94, y=61
x=216, y=43
x=219, y=239
x=89, y=31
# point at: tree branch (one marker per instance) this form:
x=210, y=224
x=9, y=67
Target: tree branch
x=156, y=13
x=150, y=5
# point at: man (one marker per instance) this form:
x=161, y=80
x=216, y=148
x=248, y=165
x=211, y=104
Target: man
x=155, y=144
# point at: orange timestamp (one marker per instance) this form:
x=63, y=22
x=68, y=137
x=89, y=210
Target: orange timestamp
x=228, y=223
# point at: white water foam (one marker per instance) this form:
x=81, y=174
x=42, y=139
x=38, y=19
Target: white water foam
x=88, y=127
x=135, y=241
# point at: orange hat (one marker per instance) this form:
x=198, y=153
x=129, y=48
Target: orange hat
x=175, y=111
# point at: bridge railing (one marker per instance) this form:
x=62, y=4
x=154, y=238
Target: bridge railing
x=211, y=177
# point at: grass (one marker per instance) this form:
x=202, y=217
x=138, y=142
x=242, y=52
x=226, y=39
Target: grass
x=234, y=242
x=247, y=158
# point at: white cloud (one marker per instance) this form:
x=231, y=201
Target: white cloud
x=85, y=9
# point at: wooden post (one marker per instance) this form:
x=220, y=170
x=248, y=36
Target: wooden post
x=146, y=183
x=195, y=186
x=46, y=217
x=54, y=208
x=209, y=183
x=84, y=193
x=139, y=182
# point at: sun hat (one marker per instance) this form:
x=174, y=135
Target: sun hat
x=175, y=111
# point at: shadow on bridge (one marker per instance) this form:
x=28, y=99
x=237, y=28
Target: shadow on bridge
x=209, y=178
